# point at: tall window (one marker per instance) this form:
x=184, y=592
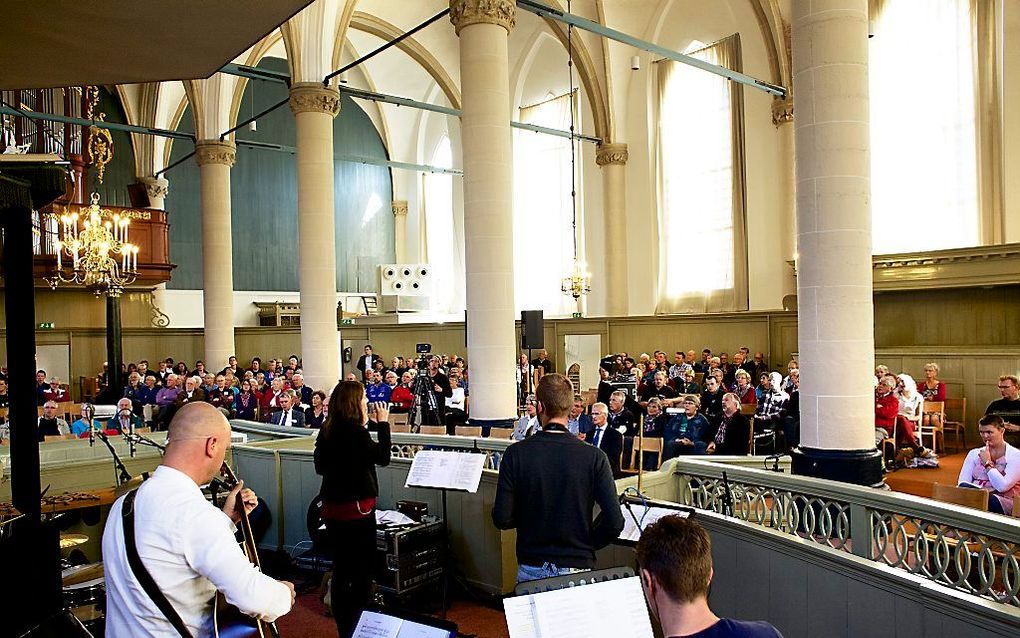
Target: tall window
x=441, y=244
x=924, y=162
x=543, y=231
x=702, y=251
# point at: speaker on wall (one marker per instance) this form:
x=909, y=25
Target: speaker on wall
x=532, y=330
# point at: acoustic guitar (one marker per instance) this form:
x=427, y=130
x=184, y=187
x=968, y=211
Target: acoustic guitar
x=231, y=622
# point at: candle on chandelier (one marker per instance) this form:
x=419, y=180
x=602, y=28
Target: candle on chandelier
x=60, y=249
x=134, y=258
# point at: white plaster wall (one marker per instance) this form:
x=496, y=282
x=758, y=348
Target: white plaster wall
x=1010, y=41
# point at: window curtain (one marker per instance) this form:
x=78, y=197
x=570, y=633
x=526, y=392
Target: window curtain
x=444, y=237
x=935, y=130
x=543, y=221
x=700, y=177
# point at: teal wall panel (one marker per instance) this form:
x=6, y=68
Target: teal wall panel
x=120, y=172
x=264, y=200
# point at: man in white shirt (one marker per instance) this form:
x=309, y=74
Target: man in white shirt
x=186, y=544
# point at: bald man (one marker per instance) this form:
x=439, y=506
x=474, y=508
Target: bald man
x=186, y=544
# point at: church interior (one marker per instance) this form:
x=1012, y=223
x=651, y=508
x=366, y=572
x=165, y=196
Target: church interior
x=799, y=215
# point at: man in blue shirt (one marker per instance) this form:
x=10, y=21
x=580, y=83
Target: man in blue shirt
x=377, y=391
x=674, y=557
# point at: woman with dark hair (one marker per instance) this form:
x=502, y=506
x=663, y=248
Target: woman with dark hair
x=182, y=369
x=246, y=402
x=315, y=414
x=345, y=457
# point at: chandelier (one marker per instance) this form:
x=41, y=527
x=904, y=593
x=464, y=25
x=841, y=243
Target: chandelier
x=98, y=251
x=578, y=282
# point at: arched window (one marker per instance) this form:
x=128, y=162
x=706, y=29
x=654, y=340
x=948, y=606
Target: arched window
x=440, y=233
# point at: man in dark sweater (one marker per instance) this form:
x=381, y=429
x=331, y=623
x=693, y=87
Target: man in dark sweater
x=548, y=487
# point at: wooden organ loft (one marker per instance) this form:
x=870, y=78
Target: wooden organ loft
x=149, y=229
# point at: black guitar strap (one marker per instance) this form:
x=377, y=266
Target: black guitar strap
x=142, y=574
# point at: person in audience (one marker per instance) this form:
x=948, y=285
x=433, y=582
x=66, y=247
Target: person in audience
x=887, y=408
x=367, y=360
x=686, y=433
x=397, y=366
x=5, y=400
x=713, y=365
x=231, y=381
x=255, y=366
x=629, y=371
x=134, y=391
x=619, y=417
x=881, y=372
x=733, y=434
x=271, y=370
x=758, y=365
x=271, y=400
x=41, y=386
x=995, y=466
x=147, y=396
x=687, y=384
x=402, y=397
x=578, y=423
x=606, y=438
x=1008, y=407
x=231, y=365
x=144, y=371
x=528, y=423
x=125, y=421
x=192, y=392
x=743, y=388
x=654, y=428
x=199, y=370
x=80, y=427
x=674, y=558
x=678, y=371
x=49, y=424
x=304, y=393
x=163, y=371
x=288, y=415
x=557, y=531
x=54, y=392
x=542, y=364
x=377, y=391
x=221, y=397
x=440, y=385
x=208, y=383
x=457, y=403
x=711, y=399
x=246, y=403
x=315, y=414
x=658, y=389
x=294, y=363
x=524, y=373
x=350, y=376
x=181, y=370
x=772, y=407
x=791, y=422
x=787, y=380
x=605, y=386
x=729, y=369
x=718, y=374
x=911, y=401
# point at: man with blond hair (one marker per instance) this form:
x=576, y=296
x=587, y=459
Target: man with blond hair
x=548, y=487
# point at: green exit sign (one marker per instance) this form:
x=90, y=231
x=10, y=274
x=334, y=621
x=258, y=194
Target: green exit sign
x=346, y=322
x=578, y=315
x=46, y=326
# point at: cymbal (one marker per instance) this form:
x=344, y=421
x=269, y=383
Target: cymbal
x=67, y=541
x=130, y=485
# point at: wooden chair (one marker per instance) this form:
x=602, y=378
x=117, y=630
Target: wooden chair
x=402, y=428
x=500, y=433
x=933, y=415
x=432, y=429
x=73, y=412
x=651, y=444
x=3, y=413
x=955, y=420
x=398, y=419
x=968, y=497
x=468, y=430
x=59, y=437
x=748, y=409
x=699, y=378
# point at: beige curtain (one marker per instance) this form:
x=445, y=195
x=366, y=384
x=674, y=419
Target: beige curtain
x=680, y=138
x=988, y=119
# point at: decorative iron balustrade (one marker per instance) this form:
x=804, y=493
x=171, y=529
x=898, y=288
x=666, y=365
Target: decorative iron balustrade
x=964, y=550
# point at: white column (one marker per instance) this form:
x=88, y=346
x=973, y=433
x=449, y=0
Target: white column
x=834, y=276
x=613, y=160
x=400, y=230
x=157, y=189
x=314, y=108
x=214, y=160
x=484, y=27
x=782, y=117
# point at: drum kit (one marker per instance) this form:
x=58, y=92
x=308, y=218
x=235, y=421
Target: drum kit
x=84, y=595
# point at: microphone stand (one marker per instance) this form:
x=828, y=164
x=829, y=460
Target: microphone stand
x=89, y=414
x=727, y=497
x=123, y=476
x=138, y=438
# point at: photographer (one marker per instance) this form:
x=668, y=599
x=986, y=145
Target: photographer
x=439, y=385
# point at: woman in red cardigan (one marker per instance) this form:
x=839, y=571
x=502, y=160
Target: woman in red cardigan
x=931, y=388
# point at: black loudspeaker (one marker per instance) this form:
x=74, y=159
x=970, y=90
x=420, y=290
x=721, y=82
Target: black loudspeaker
x=532, y=330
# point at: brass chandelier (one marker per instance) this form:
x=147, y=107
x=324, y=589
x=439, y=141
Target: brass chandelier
x=95, y=244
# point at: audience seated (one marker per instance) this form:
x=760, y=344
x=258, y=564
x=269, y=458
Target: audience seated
x=743, y=388
x=1008, y=407
x=315, y=414
x=578, y=423
x=711, y=400
x=53, y=392
x=887, y=421
x=125, y=421
x=685, y=433
x=402, y=396
x=605, y=437
x=772, y=406
x=658, y=389
x=289, y=415
x=49, y=424
x=733, y=434
x=994, y=467
x=528, y=423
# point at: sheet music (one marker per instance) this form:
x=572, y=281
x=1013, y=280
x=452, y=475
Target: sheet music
x=604, y=610
x=373, y=625
x=444, y=469
x=646, y=516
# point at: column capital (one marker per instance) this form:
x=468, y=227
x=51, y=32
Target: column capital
x=215, y=152
x=400, y=208
x=155, y=187
x=467, y=12
x=782, y=110
x=606, y=153
x=313, y=97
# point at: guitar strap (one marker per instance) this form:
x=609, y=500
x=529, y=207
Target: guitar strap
x=141, y=573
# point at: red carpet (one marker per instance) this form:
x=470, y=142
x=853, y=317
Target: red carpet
x=919, y=481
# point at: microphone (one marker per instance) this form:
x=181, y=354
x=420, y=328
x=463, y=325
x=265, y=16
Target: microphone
x=89, y=412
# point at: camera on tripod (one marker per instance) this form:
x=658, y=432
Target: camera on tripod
x=423, y=350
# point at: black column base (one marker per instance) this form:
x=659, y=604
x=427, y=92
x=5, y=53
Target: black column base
x=487, y=424
x=860, y=467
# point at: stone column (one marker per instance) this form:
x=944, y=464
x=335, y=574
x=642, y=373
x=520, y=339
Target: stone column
x=157, y=189
x=314, y=107
x=214, y=160
x=782, y=118
x=400, y=230
x=834, y=277
x=613, y=160
x=484, y=27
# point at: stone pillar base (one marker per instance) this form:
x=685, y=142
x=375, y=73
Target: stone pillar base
x=860, y=467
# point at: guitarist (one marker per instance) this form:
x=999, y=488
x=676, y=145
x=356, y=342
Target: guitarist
x=185, y=545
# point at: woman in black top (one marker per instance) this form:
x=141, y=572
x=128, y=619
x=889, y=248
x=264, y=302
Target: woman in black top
x=315, y=414
x=247, y=402
x=345, y=457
